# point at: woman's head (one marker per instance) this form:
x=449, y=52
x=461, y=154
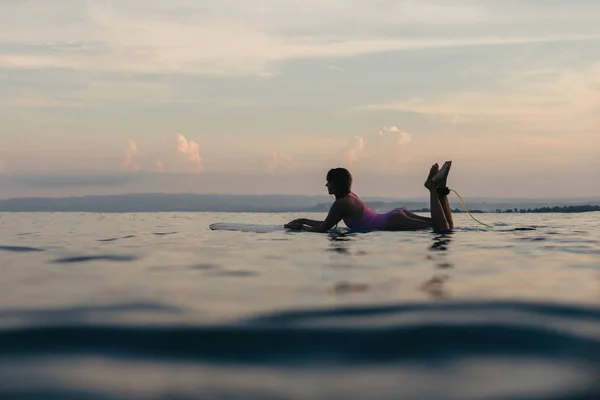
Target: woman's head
x=339, y=181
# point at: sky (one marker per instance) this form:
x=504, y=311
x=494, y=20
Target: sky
x=265, y=96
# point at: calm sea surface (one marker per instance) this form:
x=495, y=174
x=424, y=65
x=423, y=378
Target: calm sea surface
x=157, y=306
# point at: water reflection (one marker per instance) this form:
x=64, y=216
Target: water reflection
x=438, y=251
x=339, y=236
x=345, y=287
x=338, y=244
x=436, y=286
x=441, y=242
x=339, y=249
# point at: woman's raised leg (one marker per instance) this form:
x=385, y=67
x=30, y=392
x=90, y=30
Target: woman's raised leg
x=438, y=217
x=440, y=181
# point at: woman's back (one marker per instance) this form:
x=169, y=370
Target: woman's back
x=361, y=217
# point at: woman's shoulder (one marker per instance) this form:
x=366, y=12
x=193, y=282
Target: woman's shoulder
x=347, y=201
x=347, y=197
x=352, y=196
x=342, y=201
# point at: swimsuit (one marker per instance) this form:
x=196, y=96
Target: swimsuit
x=370, y=220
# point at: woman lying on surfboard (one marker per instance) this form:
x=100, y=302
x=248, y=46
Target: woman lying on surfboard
x=357, y=216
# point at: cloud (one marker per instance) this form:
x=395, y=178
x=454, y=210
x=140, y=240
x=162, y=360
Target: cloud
x=189, y=151
x=179, y=155
x=355, y=147
x=131, y=151
x=234, y=58
x=380, y=151
x=237, y=38
x=278, y=162
x=386, y=129
x=385, y=151
x=159, y=165
x=563, y=98
x=400, y=137
x=404, y=138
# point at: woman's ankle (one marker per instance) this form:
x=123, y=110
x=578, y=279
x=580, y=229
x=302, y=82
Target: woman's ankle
x=443, y=191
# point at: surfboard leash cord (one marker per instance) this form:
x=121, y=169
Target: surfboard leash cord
x=467, y=210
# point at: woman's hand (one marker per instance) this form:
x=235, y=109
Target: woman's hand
x=295, y=226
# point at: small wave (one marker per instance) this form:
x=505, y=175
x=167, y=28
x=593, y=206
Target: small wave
x=521, y=229
x=20, y=249
x=115, y=239
x=203, y=267
x=103, y=257
x=290, y=340
x=493, y=350
x=479, y=308
x=533, y=239
x=235, y=273
x=66, y=394
x=82, y=313
x=300, y=346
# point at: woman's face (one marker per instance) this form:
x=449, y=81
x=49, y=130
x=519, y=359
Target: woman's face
x=329, y=186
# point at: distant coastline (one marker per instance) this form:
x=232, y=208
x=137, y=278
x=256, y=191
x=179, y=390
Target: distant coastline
x=555, y=209
x=157, y=202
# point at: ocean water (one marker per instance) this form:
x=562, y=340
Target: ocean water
x=157, y=306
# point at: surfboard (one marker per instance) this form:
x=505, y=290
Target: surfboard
x=256, y=228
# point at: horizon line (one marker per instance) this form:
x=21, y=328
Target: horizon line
x=597, y=198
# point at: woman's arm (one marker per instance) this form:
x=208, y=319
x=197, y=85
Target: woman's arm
x=333, y=217
x=303, y=223
x=310, y=222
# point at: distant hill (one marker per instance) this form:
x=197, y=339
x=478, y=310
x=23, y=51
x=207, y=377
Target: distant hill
x=156, y=202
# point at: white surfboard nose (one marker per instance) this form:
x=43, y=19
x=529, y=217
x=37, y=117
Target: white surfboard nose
x=236, y=227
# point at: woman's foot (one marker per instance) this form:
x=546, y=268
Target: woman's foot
x=441, y=177
x=432, y=172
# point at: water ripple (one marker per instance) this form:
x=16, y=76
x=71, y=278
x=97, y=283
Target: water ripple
x=82, y=312
x=300, y=346
x=116, y=238
x=103, y=257
x=481, y=308
x=20, y=249
x=428, y=339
